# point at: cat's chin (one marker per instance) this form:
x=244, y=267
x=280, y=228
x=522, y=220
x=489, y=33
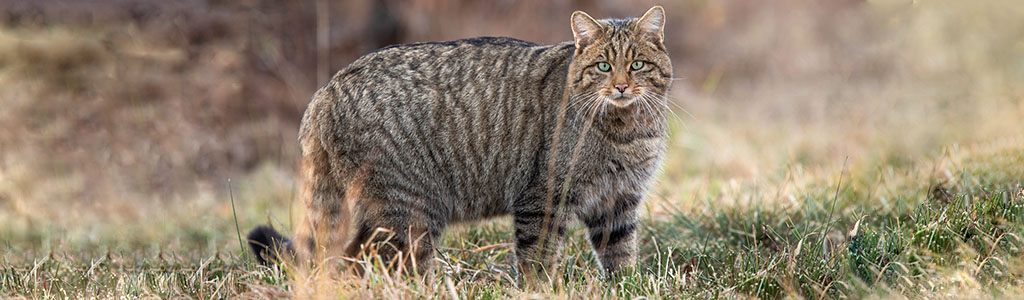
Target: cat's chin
x=621, y=101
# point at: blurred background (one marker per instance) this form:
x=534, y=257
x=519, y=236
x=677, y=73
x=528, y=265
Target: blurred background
x=133, y=124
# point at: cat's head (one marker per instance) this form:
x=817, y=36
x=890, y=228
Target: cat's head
x=620, y=61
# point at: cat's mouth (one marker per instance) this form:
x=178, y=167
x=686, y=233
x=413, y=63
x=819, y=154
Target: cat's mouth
x=620, y=98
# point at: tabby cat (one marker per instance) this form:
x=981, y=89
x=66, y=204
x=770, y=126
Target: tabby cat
x=411, y=138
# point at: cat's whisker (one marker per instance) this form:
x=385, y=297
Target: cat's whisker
x=654, y=99
x=681, y=108
x=665, y=108
x=644, y=101
x=580, y=98
x=665, y=102
x=669, y=101
x=660, y=112
x=598, y=108
x=576, y=100
x=589, y=102
x=586, y=113
x=666, y=111
x=639, y=112
x=644, y=107
x=651, y=112
x=604, y=104
x=572, y=100
x=583, y=112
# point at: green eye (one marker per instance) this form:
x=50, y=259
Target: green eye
x=603, y=66
x=637, y=65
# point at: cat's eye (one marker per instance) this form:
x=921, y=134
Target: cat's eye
x=637, y=65
x=604, y=67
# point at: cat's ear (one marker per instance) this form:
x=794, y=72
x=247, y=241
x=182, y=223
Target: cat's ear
x=585, y=29
x=652, y=23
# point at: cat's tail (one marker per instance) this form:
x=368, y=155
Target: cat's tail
x=270, y=246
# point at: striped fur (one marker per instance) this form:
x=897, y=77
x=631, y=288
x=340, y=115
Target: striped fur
x=414, y=137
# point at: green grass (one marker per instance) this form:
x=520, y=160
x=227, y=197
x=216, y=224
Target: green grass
x=931, y=238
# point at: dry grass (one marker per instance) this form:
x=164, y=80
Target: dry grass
x=121, y=126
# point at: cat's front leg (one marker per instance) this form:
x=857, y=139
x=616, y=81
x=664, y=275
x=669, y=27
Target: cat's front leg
x=611, y=228
x=540, y=236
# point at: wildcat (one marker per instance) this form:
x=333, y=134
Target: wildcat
x=411, y=138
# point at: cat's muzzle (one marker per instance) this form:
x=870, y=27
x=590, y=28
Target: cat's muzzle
x=620, y=99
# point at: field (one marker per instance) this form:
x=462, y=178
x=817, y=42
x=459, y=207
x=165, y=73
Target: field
x=819, y=149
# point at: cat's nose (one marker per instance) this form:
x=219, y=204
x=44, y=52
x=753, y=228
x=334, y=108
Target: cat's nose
x=621, y=87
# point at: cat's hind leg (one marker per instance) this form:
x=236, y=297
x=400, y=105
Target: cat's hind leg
x=399, y=235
